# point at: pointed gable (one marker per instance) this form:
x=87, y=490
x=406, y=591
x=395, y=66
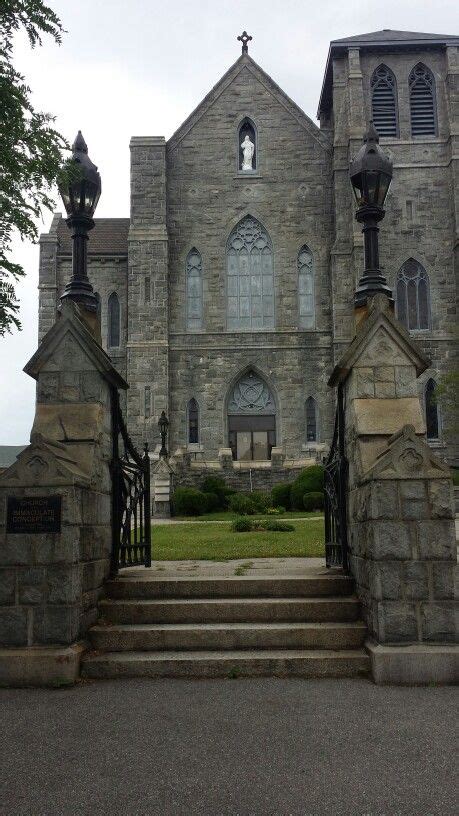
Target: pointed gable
x=246, y=63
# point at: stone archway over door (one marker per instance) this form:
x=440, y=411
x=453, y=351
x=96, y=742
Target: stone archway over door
x=251, y=419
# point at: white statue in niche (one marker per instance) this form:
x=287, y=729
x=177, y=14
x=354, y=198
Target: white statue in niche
x=248, y=149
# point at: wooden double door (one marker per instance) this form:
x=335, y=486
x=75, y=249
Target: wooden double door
x=251, y=438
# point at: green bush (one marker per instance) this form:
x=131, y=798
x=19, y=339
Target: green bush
x=277, y=526
x=212, y=502
x=241, y=525
x=313, y=501
x=261, y=500
x=310, y=480
x=187, y=501
x=242, y=504
x=280, y=495
x=217, y=486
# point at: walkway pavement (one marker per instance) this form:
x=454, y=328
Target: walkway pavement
x=261, y=747
x=259, y=567
x=198, y=520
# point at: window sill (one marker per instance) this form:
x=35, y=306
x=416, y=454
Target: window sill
x=248, y=176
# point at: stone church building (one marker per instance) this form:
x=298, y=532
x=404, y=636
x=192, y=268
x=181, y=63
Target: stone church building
x=227, y=296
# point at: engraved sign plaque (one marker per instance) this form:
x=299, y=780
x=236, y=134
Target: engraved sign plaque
x=33, y=514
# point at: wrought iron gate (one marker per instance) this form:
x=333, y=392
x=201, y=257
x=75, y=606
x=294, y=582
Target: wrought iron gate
x=335, y=489
x=131, y=512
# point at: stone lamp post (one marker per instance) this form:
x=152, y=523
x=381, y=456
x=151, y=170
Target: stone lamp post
x=371, y=175
x=80, y=193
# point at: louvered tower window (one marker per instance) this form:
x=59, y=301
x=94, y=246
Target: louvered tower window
x=384, y=101
x=422, y=102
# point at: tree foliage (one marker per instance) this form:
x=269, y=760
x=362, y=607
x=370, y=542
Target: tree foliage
x=31, y=150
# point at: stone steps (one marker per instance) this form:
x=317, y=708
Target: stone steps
x=306, y=626
x=223, y=636
x=145, y=587
x=229, y=610
x=255, y=663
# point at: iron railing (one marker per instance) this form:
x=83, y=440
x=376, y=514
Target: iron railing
x=335, y=492
x=131, y=511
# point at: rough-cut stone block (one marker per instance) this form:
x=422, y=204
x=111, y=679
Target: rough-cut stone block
x=384, y=500
x=397, y=622
x=385, y=390
x=13, y=626
x=441, y=498
x=437, y=540
x=438, y=622
x=64, y=584
x=413, y=499
x=386, y=580
x=405, y=381
x=384, y=374
x=31, y=588
x=56, y=624
x=364, y=382
x=443, y=581
x=16, y=549
x=7, y=586
x=388, y=540
x=416, y=580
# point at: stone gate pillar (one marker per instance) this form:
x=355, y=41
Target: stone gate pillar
x=55, y=501
x=402, y=548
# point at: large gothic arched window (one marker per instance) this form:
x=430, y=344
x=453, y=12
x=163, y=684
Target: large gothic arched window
x=413, y=296
x=431, y=408
x=250, y=277
x=194, y=291
x=251, y=418
x=113, y=321
x=384, y=101
x=422, y=101
x=306, y=288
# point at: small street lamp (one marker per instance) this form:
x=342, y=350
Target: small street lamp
x=163, y=425
x=80, y=193
x=371, y=175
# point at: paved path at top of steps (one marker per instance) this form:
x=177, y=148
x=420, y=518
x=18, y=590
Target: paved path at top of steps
x=256, y=567
x=197, y=520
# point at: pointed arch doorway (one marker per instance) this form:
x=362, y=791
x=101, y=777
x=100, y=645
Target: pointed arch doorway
x=251, y=419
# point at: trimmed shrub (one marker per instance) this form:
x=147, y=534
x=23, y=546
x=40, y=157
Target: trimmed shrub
x=310, y=480
x=280, y=495
x=241, y=525
x=242, y=504
x=217, y=486
x=277, y=526
x=313, y=501
x=187, y=501
x=261, y=500
x=212, y=502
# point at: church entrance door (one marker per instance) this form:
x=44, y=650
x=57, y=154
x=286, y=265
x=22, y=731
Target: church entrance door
x=251, y=438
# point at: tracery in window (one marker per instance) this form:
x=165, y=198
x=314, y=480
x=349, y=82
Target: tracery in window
x=413, y=296
x=384, y=101
x=306, y=288
x=194, y=291
x=250, y=277
x=422, y=101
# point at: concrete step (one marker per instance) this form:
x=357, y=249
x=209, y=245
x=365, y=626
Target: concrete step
x=229, y=610
x=275, y=663
x=222, y=636
x=149, y=587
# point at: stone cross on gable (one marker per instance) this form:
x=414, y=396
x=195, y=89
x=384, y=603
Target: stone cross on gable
x=244, y=39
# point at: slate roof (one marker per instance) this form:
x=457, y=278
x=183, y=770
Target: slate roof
x=8, y=454
x=387, y=39
x=109, y=237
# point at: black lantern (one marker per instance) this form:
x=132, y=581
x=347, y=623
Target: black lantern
x=371, y=175
x=80, y=193
x=163, y=425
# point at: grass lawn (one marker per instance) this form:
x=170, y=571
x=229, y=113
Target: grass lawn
x=217, y=542
x=226, y=515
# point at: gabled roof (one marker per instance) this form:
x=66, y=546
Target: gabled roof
x=245, y=62
x=387, y=39
x=109, y=237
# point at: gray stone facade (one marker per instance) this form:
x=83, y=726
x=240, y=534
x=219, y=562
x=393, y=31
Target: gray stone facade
x=188, y=193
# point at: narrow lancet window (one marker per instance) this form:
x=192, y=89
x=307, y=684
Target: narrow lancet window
x=194, y=291
x=431, y=407
x=113, y=321
x=413, y=296
x=193, y=422
x=306, y=288
x=311, y=420
x=422, y=101
x=384, y=101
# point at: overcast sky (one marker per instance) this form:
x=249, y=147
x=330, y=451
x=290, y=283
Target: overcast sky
x=139, y=67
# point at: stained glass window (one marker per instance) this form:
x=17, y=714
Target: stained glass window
x=113, y=320
x=306, y=288
x=194, y=291
x=250, y=278
x=413, y=296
